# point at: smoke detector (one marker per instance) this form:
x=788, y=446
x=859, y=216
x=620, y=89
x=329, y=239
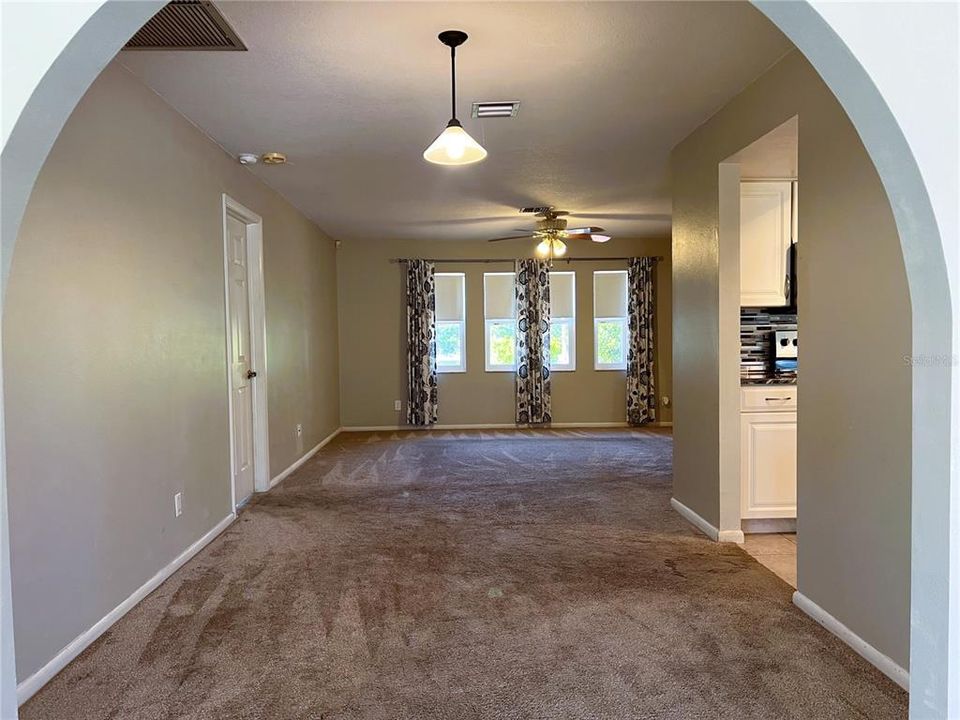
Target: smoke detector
x=273, y=158
x=248, y=158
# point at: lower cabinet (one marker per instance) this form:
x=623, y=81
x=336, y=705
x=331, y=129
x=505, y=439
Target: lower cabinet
x=768, y=464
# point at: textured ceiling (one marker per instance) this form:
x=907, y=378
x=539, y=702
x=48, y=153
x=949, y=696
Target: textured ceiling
x=353, y=93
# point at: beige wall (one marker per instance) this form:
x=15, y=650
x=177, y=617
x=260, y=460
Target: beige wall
x=373, y=328
x=114, y=355
x=854, y=319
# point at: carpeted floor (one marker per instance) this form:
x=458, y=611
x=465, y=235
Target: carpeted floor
x=470, y=575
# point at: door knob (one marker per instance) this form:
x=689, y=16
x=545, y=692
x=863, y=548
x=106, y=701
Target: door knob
x=251, y=374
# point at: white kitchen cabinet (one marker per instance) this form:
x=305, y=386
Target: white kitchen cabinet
x=768, y=464
x=768, y=451
x=766, y=231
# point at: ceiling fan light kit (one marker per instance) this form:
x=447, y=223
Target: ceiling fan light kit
x=552, y=230
x=454, y=146
x=551, y=247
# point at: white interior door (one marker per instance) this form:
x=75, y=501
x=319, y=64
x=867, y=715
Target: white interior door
x=241, y=372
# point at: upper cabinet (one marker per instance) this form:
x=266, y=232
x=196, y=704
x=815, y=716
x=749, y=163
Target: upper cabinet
x=766, y=232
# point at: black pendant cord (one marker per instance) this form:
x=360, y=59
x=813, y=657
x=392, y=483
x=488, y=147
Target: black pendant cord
x=453, y=82
x=453, y=38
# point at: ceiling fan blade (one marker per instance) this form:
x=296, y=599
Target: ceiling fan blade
x=596, y=237
x=512, y=237
x=584, y=230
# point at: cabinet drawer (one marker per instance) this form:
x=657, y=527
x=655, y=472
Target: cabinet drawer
x=768, y=398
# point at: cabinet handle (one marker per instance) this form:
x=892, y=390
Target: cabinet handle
x=778, y=398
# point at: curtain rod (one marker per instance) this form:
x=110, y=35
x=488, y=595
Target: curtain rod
x=510, y=260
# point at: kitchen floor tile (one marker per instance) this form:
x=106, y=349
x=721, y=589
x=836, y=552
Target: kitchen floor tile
x=769, y=544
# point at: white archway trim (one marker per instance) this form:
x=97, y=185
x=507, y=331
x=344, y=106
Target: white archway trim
x=935, y=636
x=54, y=75
x=935, y=493
x=62, y=85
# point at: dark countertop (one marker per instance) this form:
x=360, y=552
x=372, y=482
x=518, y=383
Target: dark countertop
x=768, y=381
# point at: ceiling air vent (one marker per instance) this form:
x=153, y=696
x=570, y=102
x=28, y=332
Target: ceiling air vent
x=186, y=25
x=509, y=108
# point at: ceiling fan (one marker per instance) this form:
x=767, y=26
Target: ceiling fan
x=551, y=230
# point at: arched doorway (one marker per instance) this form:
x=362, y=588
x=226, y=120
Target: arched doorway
x=83, y=54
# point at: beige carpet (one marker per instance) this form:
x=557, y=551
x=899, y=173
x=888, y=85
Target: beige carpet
x=470, y=575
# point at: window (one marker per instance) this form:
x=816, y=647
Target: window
x=451, y=322
x=610, y=320
x=500, y=325
x=563, y=326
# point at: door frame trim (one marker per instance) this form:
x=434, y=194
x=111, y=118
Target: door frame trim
x=258, y=342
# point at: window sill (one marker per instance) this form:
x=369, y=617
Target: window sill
x=451, y=371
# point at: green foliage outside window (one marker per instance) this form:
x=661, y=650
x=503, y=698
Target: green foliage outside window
x=559, y=343
x=502, y=344
x=610, y=350
x=448, y=344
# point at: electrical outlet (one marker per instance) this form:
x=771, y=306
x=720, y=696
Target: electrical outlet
x=178, y=505
x=665, y=400
x=397, y=405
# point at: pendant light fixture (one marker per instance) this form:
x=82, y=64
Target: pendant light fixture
x=454, y=146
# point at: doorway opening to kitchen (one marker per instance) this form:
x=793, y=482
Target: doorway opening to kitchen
x=759, y=193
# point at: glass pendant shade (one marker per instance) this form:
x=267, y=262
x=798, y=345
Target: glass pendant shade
x=454, y=146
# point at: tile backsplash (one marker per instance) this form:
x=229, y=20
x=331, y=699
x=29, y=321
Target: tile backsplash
x=756, y=334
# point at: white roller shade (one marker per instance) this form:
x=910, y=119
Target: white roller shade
x=498, y=294
x=449, y=289
x=610, y=294
x=562, y=295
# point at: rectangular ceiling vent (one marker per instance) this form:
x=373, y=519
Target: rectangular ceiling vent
x=506, y=109
x=186, y=25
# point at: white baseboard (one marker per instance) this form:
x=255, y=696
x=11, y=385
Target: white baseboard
x=760, y=526
x=41, y=677
x=309, y=454
x=374, y=428
x=731, y=536
x=708, y=529
x=467, y=426
x=491, y=426
x=867, y=651
x=694, y=519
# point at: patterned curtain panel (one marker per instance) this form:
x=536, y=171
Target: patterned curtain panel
x=421, y=344
x=641, y=394
x=533, y=342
